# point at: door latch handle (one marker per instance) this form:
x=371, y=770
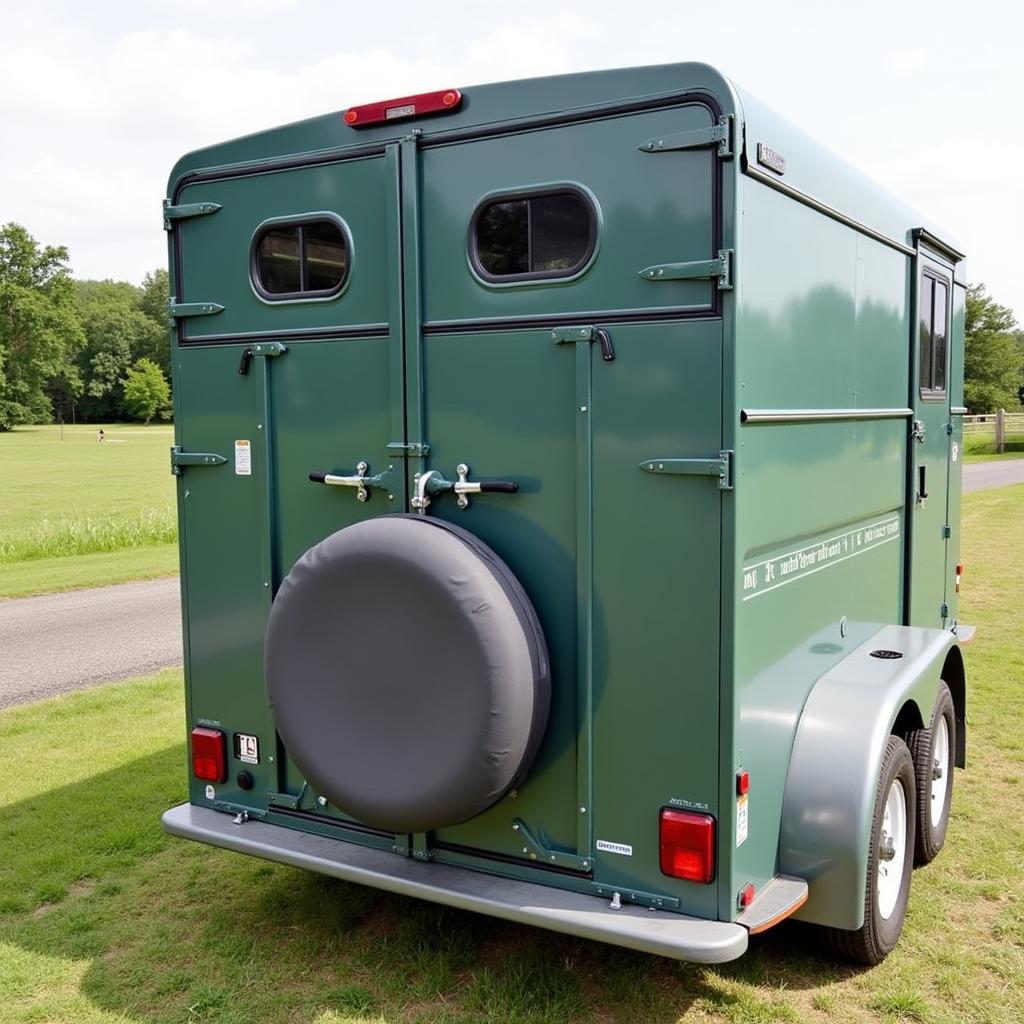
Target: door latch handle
x=917, y=431
x=433, y=482
x=572, y=335
x=463, y=487
x=359, y=480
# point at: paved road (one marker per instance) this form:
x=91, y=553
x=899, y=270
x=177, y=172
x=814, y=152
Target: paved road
x=980, y=475
x=62, y=642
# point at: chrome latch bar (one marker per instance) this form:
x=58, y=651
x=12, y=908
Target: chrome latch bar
x=359, y=480
x=433, y=482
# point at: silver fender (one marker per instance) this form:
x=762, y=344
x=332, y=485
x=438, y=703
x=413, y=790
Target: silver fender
x=833, y=770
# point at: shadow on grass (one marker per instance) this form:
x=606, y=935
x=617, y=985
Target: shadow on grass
x=173, y=931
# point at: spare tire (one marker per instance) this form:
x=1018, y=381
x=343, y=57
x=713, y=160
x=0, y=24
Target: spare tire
x=407, y=673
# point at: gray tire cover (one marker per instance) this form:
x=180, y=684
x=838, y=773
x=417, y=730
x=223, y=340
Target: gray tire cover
x=407, y=673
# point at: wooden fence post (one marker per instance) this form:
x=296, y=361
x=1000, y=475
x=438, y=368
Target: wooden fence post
x=1000, y=431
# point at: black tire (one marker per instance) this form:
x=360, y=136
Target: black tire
x=931, y=835
x=874, y=940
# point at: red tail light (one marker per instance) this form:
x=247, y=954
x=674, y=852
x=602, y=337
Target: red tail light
x=403, y=107
x=209, y=755
x=687, y=845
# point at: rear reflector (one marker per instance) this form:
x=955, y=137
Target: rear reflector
x=687, y=843
x=209, y=755
x=745, y=897
x=403, y=107
x=959, y=573
x=742, y=782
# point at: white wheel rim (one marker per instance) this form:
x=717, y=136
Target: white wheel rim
x=892, y=850
x=940, y=771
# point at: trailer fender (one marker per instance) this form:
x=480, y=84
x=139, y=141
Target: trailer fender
x=833, y=769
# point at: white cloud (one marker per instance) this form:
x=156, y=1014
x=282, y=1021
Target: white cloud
x=33, y=81
x=521, y=49
x=908, y=62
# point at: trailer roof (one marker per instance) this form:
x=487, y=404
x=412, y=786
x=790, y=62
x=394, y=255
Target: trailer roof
x=813, y=174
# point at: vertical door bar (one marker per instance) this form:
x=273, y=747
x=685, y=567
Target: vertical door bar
x=398, y=434
x=412, y=313
x=268, y=562
x=412, y=341
x=584, y=597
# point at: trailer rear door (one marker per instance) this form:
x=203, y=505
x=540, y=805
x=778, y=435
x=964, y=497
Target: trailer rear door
x=532, y=247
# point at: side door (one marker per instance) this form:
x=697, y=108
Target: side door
x=930, y=448
x=555, y=355
x=287, y=292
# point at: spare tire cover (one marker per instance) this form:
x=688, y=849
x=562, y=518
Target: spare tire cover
x=407, y=673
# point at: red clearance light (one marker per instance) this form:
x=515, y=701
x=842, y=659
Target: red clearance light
x=209, y=755
x=403, y=107
x=745, y=897
x=742, y=782
x=687, y=842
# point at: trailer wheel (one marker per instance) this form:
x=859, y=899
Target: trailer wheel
x=890, y=860
x=933, y=750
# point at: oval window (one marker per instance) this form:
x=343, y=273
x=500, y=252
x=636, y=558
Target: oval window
x=300, y=259
x=535, y=236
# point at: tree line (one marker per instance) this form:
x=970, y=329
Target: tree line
x=86, y=351
x=99, y=351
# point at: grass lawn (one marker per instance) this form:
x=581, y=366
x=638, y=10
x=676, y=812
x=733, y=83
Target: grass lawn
x=982, y=447
x=76, y=513
x=103, y=919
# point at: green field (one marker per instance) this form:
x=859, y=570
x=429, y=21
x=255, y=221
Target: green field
x=982, y=447
x=104, y=920
x=75, y=513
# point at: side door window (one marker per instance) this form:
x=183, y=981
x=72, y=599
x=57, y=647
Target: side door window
x=933, y=332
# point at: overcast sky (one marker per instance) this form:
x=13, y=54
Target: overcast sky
x=97, y=100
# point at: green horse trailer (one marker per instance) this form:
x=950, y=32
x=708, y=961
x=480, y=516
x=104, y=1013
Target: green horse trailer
x=569, y=499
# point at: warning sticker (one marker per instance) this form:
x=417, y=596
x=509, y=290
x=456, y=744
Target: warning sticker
x=621, y=848
x=243, y=458
x=741, y=820
x=247, y=748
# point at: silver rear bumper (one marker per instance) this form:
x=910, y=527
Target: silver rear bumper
x=665, y=934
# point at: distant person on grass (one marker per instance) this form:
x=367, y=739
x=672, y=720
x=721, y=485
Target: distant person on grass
x=101, y=437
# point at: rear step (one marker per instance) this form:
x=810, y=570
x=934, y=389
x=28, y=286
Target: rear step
x=650, y=931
